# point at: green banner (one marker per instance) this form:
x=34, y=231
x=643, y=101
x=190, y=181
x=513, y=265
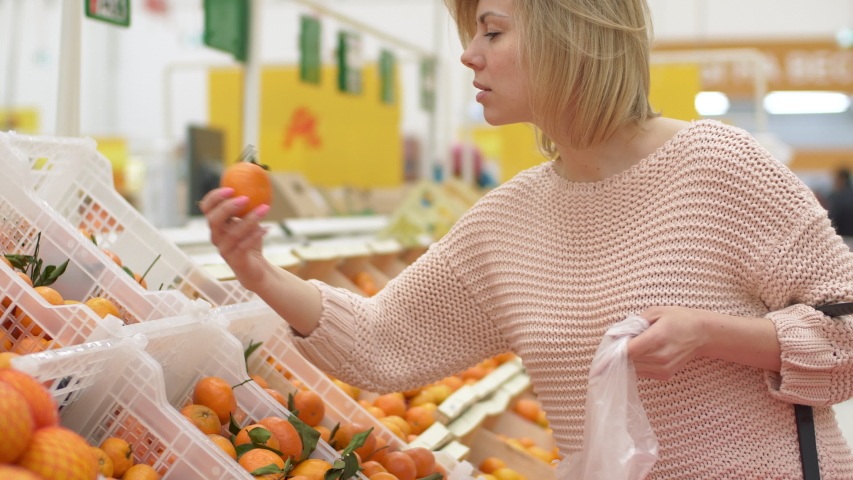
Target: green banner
x=309, y=47
x=349, y=62
x=387, y=76
x=226, y=26
x=116, y=12
x=428, y=85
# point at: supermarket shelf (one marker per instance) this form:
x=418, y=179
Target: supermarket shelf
x=336, y=226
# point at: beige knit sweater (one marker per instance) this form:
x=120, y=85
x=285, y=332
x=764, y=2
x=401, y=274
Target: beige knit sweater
x=542, y=266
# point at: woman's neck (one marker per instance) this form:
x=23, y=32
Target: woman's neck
x=624, y=149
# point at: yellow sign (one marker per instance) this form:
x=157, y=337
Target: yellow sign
x=332, y=138
x=24, y=120
x=513, y=147
x=673, y=90
x=790, y=65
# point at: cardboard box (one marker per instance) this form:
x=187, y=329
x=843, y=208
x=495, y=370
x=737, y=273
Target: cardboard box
x=294, y=197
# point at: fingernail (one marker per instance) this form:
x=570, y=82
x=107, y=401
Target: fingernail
x=262, y=210
x=226, y=192
x=241, y=200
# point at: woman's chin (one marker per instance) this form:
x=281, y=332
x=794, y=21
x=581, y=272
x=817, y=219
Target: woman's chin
x=497, y=120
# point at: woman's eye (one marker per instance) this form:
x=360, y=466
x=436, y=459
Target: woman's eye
x=492, y=35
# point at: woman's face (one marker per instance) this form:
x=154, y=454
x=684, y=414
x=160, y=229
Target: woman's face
x=493, y=56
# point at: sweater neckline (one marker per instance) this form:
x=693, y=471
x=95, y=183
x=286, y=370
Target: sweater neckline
x=624, y=175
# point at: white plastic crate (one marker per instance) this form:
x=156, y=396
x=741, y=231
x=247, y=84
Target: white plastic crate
x=76, y=180
x=257, y=322
x=112, y=388
x=90, y=273
x=66, y=325
x=189, y=349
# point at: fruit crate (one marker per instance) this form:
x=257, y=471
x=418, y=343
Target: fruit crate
x=76, y=180
x=112, y=388
x=65, y=325
x=257, y=322
x=26, y=219
x=193, y=347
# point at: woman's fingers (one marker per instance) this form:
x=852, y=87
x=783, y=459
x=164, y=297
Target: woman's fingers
x=221, y=215
x=240, y=229
x=214, y=198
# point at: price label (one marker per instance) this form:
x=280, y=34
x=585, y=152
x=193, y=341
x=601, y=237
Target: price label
x=116, y=12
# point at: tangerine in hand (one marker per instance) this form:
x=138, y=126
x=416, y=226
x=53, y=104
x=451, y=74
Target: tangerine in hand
x=250, y=180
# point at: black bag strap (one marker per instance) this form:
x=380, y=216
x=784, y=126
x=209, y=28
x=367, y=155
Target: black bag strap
x=804, y=414
x=808, y=441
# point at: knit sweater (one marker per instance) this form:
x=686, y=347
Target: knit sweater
x=542, y=266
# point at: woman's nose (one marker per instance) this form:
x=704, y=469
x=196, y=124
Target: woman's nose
x=471, y=58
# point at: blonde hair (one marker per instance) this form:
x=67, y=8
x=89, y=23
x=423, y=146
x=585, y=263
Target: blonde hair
x=587, y=60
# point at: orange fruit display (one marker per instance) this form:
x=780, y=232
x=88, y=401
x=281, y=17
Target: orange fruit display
x=275, y=394
x=528, y=409
x=290, y=443
x=6, y=359
x=243, y=437
x=140, y=280
x=419, y=418
x=491, y=464
x=11, y=472
x=380, y=451
x=120, y=453
x=400, y=422
x=28, y=345
x=311, y=407
x=204, y=418
x=105, y=463
x=344, y=435
x=400, y=465
x=392, y=405
x=260, y=381
x=313, y=468
x=506, y=474
x=260, y=458
x=249, y=180
x=372, y=467
x=44, y=410
x=216, y=394
x=59, y=454
x=382, y=476
x=103, y=307
x=424, y=461
x=16, y=423
x=51, y=296
x=23, y=276
x=115, y=258
x=141, y=472
x=325, y=433
x=224, y=444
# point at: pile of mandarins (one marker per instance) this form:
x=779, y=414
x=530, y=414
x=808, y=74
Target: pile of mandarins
x=33, y=446
x=408, y=414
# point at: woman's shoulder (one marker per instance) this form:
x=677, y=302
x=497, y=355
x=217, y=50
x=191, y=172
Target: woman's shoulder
x=718, y=150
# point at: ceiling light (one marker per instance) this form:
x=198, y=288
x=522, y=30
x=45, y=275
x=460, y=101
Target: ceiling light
x=712, y=103
x=785, y=103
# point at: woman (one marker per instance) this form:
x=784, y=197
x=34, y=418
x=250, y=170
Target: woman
x=691, y=225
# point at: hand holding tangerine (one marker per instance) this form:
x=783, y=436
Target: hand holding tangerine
x=248, y=179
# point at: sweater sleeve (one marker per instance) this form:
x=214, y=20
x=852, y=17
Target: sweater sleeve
x=423, y=326
x=811, y=267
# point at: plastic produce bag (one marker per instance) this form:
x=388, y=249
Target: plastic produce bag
x=618, y=442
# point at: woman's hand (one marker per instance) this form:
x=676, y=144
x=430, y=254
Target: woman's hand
x=676, y=336
x=239, y=240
